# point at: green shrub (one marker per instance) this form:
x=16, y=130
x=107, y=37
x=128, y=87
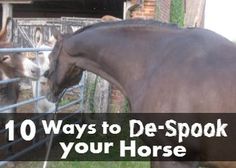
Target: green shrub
x=177, y=12
x=126, y=107
x=64, y=101
x=91, y=94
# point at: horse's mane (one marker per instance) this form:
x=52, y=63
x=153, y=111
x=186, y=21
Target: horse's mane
x=131, y=22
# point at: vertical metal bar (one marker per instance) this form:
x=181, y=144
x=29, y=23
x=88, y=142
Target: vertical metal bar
x=37, y=89
x=36, y=92
x=82, y=90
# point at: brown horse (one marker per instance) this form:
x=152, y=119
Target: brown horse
x=158, y=67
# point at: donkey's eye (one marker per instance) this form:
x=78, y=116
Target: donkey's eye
x=5, y=58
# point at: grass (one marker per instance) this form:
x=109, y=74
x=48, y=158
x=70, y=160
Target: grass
x=85, y=164
x=114, y=164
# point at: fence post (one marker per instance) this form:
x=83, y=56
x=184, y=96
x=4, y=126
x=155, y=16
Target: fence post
x=7, y=10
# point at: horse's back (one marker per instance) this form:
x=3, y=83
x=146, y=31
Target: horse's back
x=197, y=74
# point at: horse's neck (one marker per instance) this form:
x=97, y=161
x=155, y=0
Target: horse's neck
x=99, y=70
x=117, y=55
x=115, y=68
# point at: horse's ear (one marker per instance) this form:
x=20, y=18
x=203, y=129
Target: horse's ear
x=57, y=34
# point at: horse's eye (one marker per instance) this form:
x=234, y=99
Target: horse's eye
x=46, y=73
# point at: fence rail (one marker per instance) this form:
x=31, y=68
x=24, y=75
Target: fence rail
x=11, y=50
x=34, y=100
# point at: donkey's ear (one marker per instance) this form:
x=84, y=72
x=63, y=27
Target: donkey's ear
x=57, y=34
x=52, y=41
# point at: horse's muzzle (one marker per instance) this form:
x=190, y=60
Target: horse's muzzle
x=52, y=98
x=46, y=74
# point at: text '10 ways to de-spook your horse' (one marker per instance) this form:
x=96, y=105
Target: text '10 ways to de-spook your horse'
x=135, y=136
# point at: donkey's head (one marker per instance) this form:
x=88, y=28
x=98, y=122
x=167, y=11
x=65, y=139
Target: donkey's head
x=63, y=71
x=17, y=65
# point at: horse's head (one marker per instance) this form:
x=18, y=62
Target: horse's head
x=63, y=71
x=17, y=65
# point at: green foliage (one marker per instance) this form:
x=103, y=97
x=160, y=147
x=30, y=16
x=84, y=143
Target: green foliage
x=177, y=12
x=126, y=107
x=64, y=101
x=90, y=95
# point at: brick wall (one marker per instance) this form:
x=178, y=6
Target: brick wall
x=146, y=11
x=153, y=9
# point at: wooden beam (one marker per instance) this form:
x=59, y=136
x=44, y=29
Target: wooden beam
x=7, y=12
x=16, y=1
x=126, y=13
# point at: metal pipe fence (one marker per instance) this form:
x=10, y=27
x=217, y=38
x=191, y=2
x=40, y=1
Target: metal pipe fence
x=35, y=100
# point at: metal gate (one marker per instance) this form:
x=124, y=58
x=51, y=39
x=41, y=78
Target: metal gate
x=24, y=36
x=34, y=100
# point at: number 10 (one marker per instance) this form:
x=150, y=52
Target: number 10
x=10, y=126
